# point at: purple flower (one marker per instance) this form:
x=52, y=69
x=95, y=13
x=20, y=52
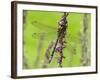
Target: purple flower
x=60, y=60
x=58, y=49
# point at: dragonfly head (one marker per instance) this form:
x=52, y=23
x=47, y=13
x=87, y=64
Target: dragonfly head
x=66, y=14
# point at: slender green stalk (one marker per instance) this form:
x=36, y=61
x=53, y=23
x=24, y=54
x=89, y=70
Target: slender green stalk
x=41, y=38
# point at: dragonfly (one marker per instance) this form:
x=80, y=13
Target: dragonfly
x=49, y=32
x=54, y=34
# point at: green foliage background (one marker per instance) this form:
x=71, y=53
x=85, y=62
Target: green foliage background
x=37, y=22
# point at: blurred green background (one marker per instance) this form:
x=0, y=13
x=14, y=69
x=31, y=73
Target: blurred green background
x=40, y=29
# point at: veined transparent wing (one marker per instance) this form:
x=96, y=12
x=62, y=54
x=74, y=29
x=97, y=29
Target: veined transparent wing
x=43, y=30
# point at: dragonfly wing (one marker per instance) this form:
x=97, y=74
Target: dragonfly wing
x=42, y=29
x=47, y=36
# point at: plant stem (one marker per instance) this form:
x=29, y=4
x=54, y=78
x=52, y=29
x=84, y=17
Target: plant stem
x=47, y=55
x=61, y=33
x=84, y=40
x=41, y=38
